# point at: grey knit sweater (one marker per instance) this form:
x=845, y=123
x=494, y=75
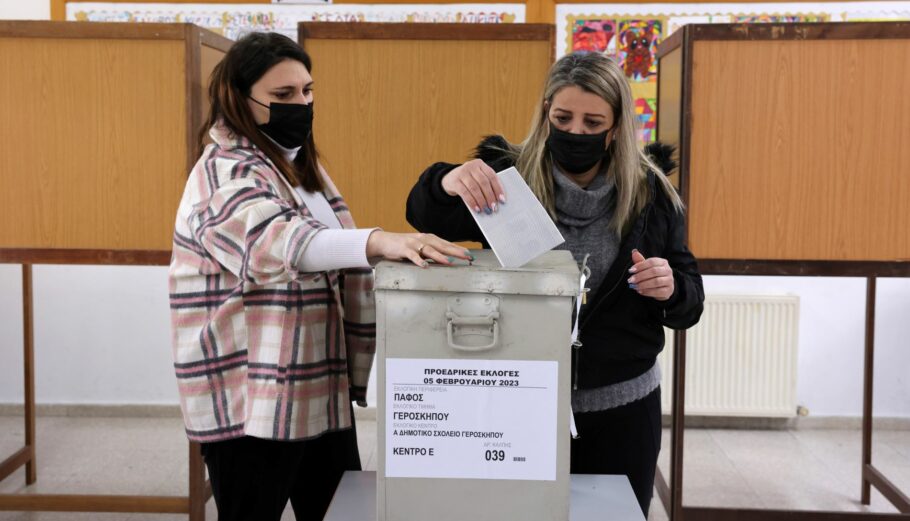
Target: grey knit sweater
x=583, y=217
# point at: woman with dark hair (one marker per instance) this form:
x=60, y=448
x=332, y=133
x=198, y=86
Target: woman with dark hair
x=611, y=200
x=271, y=293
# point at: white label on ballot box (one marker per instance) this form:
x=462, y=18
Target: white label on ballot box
x=471, y=419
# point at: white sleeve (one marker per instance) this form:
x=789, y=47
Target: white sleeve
x=335, y=249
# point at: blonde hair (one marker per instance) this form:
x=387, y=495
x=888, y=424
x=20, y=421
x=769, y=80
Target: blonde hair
x=600, y=75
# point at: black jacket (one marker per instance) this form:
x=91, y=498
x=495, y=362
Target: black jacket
x=621, y=331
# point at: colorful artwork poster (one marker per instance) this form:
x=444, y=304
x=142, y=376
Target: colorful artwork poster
x=594, y=35
x=646, y=111
x=636, y=48
x=631, y=41
x=235, y=20
x=677, y=14
x=778, y=18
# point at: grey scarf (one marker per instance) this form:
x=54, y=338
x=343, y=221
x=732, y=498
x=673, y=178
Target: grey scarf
x=583, y=217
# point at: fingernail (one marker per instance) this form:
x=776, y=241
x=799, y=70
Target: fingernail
x=451, y=260
x=502, y=198
x=631, y=280
x=633, y=286
x=470, y=256
x=495, y=209
x=487, y=210
x=632, y=270
x=477, y=209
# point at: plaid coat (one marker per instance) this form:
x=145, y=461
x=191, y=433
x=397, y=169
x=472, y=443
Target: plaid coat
x=261, y=349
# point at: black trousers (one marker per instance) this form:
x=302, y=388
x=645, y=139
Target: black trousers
x=625, y=440
x=253, y=479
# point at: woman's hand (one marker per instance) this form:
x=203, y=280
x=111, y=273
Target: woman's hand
x=476, y=183
x=651, y=277
x=416, y=247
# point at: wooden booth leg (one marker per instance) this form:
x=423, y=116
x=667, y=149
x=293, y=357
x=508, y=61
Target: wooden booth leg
x=868, y=373
x=26, y=454
x=28, y=329
x=870, y=476
x=675, y=512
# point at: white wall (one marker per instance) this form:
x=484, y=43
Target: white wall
x=831, y=340
x=102, y=335
x=25, y=10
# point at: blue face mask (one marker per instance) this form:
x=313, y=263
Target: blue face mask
x=576, y=153
x=290, y=124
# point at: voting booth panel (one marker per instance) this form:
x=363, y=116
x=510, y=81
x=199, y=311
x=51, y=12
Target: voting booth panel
x=99, y=125
x=791, y=139
x=392, y=99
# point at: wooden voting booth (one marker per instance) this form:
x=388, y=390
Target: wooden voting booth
x=392, y=99
x=98, y=128
x=793, y=154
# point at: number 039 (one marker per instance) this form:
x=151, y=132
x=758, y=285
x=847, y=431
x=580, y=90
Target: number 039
x=495, y=455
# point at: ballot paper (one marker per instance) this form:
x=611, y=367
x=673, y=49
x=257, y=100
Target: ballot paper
x=522, y=229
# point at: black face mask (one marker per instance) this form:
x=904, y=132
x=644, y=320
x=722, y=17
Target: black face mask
x=290, y=124
x=576, y=153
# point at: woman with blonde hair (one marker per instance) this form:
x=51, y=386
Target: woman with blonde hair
x=613, y=203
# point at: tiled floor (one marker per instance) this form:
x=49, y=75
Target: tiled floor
x=806, y=469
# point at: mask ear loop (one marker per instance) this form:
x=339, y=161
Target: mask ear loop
x=259, y=102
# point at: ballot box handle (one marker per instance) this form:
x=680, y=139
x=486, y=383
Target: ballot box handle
x=453, y=320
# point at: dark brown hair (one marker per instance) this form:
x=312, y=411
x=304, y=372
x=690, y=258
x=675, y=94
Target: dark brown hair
x=229, y=87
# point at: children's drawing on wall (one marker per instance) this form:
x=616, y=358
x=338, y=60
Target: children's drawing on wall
x=778, y=18
x=593, y=35
x=646, y=110
x=637, y=48
x=235, y=20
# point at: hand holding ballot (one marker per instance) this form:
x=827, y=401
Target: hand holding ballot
x=476, y=183
x=522, y=230
x=516, y=233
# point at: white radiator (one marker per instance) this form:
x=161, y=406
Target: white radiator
x=740, y=358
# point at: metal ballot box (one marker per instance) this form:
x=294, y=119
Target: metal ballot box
x=473, y=384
